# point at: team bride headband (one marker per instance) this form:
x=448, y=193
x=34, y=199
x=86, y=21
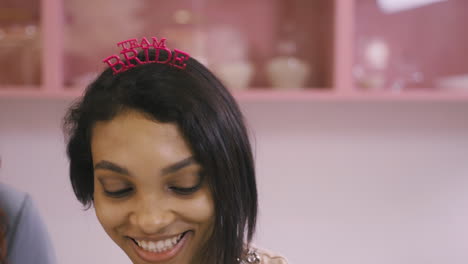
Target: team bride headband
x=130, y=54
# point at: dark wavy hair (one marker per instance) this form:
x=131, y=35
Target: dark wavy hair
x=208, y=118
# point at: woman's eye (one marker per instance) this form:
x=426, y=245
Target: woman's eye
x=119, y=193
x=185, y=191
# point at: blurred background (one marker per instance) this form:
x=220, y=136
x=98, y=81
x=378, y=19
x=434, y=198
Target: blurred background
x=358, y=110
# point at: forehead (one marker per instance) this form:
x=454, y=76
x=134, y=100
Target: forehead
x=132, y=135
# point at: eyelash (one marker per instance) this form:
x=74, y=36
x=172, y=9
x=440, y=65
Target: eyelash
x=185, y=191
x=118, y=194
x=182, y=191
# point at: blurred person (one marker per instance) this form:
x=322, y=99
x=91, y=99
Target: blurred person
x=2, y=237
x=23, y=235
x=158, y=146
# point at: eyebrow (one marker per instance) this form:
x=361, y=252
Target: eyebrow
x=107, y=165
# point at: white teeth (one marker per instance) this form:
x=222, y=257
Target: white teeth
x=168, y=243
x=151, y=246
x=159, y=246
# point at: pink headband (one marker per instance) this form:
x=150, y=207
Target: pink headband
x=130, y=53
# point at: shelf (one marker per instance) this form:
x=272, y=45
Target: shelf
x=410, y=46
x=270, y=95
x=333, y=96
x=326, y=34
x=37, y=93
x=273, y=38
x=21, y=46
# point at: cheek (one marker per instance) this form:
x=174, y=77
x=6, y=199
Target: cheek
x=110, y=215
x=201, y=208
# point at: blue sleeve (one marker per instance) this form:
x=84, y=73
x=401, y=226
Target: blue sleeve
x=29, y=240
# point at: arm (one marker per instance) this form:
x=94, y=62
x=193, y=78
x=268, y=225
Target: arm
x=29, y=241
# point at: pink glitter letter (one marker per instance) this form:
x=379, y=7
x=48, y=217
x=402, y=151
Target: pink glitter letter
x=123, y=67
x=160, y=44
x=179, y=58
x=145, y=45
x=128, y=58
x=133, y=43
x=158, y=52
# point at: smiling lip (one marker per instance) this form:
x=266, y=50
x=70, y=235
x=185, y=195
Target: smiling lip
x=160, y=256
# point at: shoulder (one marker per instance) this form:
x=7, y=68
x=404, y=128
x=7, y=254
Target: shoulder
x=25, y=229
x=16, y=206
x=264, y=256
x=10, y=197
x=269, y=257
x=12, y=203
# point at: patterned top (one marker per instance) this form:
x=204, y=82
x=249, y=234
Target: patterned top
x=259, y=256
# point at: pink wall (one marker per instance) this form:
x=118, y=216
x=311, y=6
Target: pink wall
x=339, y=182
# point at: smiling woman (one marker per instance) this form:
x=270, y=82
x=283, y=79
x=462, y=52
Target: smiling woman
x=163, y=155
x=149, y=192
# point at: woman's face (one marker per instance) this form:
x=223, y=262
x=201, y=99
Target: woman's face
x=149, y=193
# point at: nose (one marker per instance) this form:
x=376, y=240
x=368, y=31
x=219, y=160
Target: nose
x=152, y=216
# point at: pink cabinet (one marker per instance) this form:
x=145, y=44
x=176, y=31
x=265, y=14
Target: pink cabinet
x=262, y=50
x=238, y=40
x=20, y=43
x=411, y=46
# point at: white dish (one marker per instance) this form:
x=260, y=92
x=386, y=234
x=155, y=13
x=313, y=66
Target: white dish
x=456, y=82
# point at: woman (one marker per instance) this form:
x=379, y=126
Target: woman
x=23, y=235
x=158, y=146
